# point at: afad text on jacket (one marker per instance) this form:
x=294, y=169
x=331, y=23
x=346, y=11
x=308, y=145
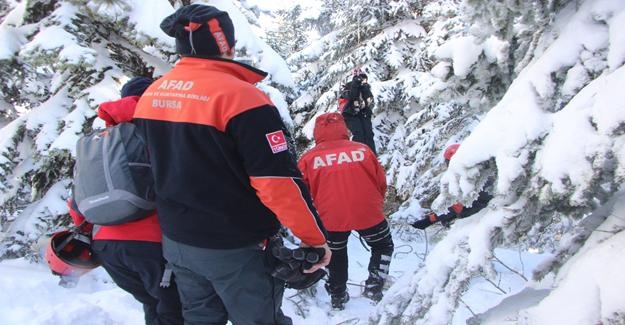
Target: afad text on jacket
x=346, y=180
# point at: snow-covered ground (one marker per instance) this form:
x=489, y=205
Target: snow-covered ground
x=31, y=294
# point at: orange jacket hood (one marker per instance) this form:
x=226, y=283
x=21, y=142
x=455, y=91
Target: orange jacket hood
x=329, y=127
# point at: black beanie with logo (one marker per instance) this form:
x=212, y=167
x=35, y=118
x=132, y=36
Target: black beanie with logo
x=200, y=30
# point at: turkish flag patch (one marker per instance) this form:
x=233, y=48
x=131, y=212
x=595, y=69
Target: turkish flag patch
x=277, y=141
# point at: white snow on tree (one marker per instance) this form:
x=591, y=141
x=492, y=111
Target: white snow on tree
x=555, y=143
x=426, y=95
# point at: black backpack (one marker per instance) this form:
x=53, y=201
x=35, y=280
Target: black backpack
x=347, y=99
x=113, y=182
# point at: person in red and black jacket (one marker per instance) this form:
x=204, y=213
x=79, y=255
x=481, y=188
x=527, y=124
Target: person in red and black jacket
x=348, y=185
x=131, y=253
x=457, y=210
x=225, y=177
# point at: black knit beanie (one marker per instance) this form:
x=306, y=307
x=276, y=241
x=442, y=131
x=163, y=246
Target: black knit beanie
x=136, y=86
x=200, y=30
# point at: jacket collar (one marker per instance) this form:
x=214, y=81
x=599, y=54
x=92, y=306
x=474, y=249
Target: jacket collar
x=240, y=70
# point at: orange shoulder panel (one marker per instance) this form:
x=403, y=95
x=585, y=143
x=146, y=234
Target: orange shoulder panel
x=211, y=100
x=284, y=198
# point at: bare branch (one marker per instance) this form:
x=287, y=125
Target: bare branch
x=495, y=285
x=509, y=268
x=469, y=308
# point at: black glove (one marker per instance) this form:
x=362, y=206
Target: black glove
x=422, y=224
x=430, y=218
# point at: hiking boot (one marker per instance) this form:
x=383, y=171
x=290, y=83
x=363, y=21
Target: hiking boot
x=339, y=300
x=373, y=294
x=373, y=289
x=338, y=296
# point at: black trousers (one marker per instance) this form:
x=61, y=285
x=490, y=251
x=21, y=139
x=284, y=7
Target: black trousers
x=361, y=128
x=137, y=267
x=378, y=238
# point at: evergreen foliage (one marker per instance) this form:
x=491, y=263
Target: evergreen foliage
x=290, y=34
x=52, y=86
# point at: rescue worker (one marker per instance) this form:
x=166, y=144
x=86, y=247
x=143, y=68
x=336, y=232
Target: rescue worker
x=225, y=177
x=131, y=253
x=356, y=105
x=348, y=186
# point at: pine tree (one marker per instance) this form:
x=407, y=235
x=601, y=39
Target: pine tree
x=430, y=94
x=289, y=36
x=54, y=85
x=421, y=104
x=532, y=207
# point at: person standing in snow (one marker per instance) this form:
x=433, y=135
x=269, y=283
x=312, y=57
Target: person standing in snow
x=356, y=104
x=348, y=185
x=457, y=210
x=225, y=179
x=131, y=253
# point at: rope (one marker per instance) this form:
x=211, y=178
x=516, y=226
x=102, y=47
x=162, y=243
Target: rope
x=362, y=242
x=398, y=247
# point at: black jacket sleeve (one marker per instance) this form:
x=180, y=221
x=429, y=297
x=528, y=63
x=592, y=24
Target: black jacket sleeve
x=447, y=217
x=365, y=92
x=480, y=203
x=273, y=172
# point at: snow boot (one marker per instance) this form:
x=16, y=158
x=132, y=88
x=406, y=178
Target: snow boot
x=338, y=301
x=373, y=288
x=338, y=298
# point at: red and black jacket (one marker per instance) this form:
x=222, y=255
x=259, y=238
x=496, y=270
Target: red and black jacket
x=145, y=229
x=224, y=174
x=346, y=180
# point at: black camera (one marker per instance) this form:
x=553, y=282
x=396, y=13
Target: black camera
x=293, y=262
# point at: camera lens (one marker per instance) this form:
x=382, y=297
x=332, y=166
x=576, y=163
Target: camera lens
x=299, y=254
x=312, y=257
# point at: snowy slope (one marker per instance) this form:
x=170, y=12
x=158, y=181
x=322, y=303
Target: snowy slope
x=32, y=295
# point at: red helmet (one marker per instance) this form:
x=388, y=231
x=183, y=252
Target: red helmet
x=69, y=254
x=451, y=151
